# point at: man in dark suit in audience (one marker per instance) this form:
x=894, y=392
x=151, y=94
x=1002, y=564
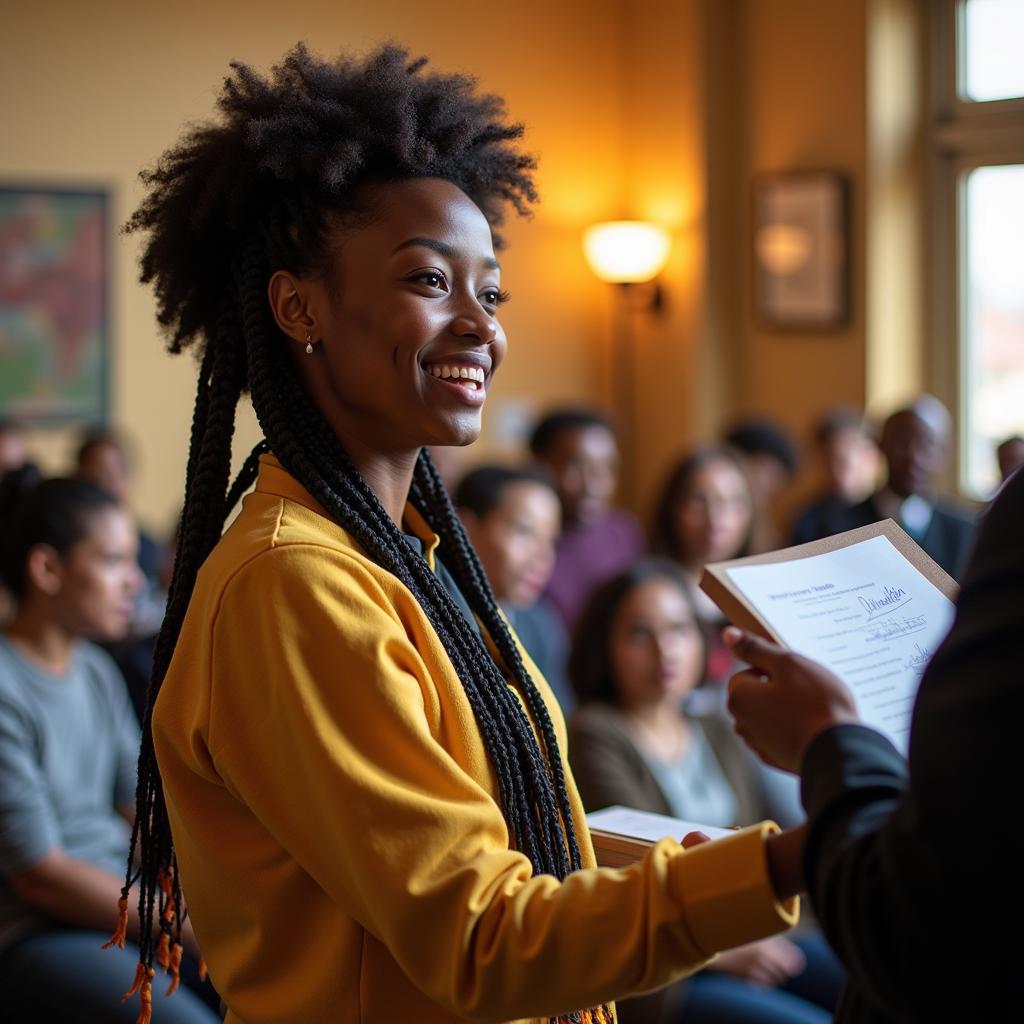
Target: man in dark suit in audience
x=916, y=444
x=914, y=869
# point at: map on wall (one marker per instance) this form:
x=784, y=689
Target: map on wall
x=53, y=305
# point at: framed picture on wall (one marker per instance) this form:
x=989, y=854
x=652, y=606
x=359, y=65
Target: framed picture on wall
x=800, y=244
x=54, y=322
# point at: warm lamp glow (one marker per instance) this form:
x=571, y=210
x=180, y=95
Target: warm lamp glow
x=783, y=248
x=626, y=251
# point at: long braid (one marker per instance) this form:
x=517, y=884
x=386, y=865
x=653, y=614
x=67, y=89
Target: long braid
x=209, y=464
x=469, y=574
x=322, y=466
x=535, y=802
x=246, y=476
x=148, y=790
x=229, y=204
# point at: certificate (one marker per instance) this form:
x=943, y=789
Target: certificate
x=622, y=835
x=868, y=604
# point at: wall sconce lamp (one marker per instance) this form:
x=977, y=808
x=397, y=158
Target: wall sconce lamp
x=628, y=253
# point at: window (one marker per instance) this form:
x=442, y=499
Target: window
x=992, y=318
x=978, y=275
x=991, y=40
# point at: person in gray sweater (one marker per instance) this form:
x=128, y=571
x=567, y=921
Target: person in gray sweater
x=69, y=742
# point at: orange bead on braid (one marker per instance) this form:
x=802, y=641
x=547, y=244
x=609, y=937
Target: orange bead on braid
x=121, y=931
x=168, y=917
x=141, y=973
x=599, y=1015
x=174, y=970
x=163, y=952
x=146, y=998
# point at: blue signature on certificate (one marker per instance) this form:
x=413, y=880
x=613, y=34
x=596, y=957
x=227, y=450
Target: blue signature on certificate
x=891, y=599
x=893, y=626
x=919, y=659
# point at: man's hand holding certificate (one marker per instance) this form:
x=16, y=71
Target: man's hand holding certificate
x=783, y=700
x=869, y=606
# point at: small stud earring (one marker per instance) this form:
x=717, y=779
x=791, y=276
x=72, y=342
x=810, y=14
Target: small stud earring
x=309, y=344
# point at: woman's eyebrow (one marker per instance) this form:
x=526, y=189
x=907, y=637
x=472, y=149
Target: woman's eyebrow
x=449, y=252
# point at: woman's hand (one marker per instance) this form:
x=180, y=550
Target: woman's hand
x=784, y=700
x=768, y=962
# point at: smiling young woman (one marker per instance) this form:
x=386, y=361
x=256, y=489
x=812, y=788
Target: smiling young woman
x=361, y=770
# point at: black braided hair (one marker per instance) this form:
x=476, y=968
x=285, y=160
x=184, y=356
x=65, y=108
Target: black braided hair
x=257, y=191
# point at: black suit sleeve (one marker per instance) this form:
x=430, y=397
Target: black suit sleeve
x=916, y=874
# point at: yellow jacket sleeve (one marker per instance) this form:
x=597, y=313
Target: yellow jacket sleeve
x=367, y=768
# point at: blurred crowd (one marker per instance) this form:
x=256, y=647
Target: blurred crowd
x=607, y=607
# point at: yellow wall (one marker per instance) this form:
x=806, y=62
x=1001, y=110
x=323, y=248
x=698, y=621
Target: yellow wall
x=803, y=97
x=718, y=92
x=97, y=91
x=652, y=108
x=665, y=181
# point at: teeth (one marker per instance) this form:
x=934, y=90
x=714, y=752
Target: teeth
x=473, y=374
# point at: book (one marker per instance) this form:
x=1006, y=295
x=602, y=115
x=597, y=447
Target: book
x=622, y=835
x=868, y=604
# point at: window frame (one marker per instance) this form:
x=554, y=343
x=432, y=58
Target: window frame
x=964, y=134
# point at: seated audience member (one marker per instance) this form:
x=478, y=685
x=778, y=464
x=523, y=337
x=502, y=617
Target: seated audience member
x=913, y=867
x=850, y=456
x=1010, y=455
x=513, y=519
x=915, y=442
x=69, y=742
x=705, y=513
x=578, y=448
x=13, y=450
x=771, y=461
x=637, y=654
x=102, y=460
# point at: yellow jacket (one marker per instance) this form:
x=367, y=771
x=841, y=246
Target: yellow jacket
x=336, y=819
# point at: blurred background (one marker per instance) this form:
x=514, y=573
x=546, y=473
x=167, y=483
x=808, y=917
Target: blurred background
x=701, y=117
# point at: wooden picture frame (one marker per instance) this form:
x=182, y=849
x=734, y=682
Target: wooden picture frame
x=801, y=251
x=54, y=308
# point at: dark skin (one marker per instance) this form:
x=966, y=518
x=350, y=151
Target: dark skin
x=916, y=452
x=780, y=704
x=585, y=464
x=417, y=288
x=410, y=295
x=784, y=700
